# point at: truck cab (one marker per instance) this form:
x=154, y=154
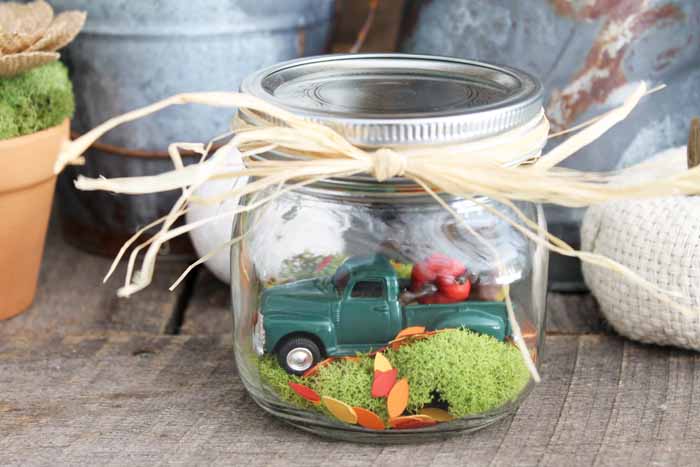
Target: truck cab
x=356, y=310
x=368, y=311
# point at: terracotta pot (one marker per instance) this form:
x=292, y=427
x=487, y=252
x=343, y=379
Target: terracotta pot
x=26, y=191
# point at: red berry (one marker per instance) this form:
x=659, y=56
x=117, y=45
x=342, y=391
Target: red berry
x=453, y=289
x=449, y=275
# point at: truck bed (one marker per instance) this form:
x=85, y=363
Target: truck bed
x=481, y=316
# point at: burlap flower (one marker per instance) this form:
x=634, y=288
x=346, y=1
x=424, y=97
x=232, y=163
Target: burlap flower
x=30, y=35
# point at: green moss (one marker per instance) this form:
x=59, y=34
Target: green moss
x=35, y=100
x=8, y=125
x=471, y=373
x=277, y=380
x=350, y=381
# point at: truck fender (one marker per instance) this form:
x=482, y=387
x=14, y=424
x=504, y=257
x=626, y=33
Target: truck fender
x=320, y=331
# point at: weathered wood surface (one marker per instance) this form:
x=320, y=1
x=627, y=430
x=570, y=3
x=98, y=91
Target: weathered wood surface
x=72, y=299
x=209, y=308
x=574, y=314
x=87, y=378
x=142, y=400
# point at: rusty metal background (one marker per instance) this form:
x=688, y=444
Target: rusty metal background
x=586, y=52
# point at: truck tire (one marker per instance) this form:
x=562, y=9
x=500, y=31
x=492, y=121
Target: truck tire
x=298, y=354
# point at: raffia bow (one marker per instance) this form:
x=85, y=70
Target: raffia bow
x=491, y=167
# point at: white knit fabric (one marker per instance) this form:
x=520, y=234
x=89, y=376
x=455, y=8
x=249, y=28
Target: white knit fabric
x=660, y=240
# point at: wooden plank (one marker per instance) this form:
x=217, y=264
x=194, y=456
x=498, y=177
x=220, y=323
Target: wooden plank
x=527, y=438
x=657, y=402
x=584, y=416
x=177, y=399
x=71, y=298
x=208, y=311
x=574, y=314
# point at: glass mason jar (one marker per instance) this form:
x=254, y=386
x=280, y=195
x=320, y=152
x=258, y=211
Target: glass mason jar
x=365, y=311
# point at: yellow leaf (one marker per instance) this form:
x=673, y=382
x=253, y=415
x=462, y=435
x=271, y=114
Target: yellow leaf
x=381, y=363
x=340, y=410
x=438, y=415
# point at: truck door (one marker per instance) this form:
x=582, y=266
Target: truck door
x=365, y=313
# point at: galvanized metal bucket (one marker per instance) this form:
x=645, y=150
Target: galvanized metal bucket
x=586, y=53
x=133, y=53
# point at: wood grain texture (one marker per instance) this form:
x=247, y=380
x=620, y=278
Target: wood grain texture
x=177, y=400
x=574, y=313
x=71, y=298
x=208, y=311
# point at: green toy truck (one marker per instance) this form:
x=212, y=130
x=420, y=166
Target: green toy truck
x=358, y=309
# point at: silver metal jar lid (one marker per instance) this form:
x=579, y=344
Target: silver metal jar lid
x=400, y=99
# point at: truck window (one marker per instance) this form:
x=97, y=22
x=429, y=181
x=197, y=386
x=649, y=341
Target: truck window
x=340, y=279
x=368, y=289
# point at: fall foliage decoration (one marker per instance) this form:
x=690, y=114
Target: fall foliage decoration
x=305, y=392
x=397, y=400
x=356, y=390
x=368, y=419
x=340, y=410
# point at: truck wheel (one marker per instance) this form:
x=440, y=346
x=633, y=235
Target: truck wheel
x=298, y=354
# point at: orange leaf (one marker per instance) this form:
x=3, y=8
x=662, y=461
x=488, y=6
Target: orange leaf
x=368, y=419
x=383, y=382
x=396, y=343
x=398, y=398
x=313, y=370
x=438, y=415
x=340, y=410
x=305, y=392
x=381, y=363
x=410, y=331
x=411, y=422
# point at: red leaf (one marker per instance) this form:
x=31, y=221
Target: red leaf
x=312, y=371
x=324, y=262
x=383, y=382
x=305, y=392
x=411, y=422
